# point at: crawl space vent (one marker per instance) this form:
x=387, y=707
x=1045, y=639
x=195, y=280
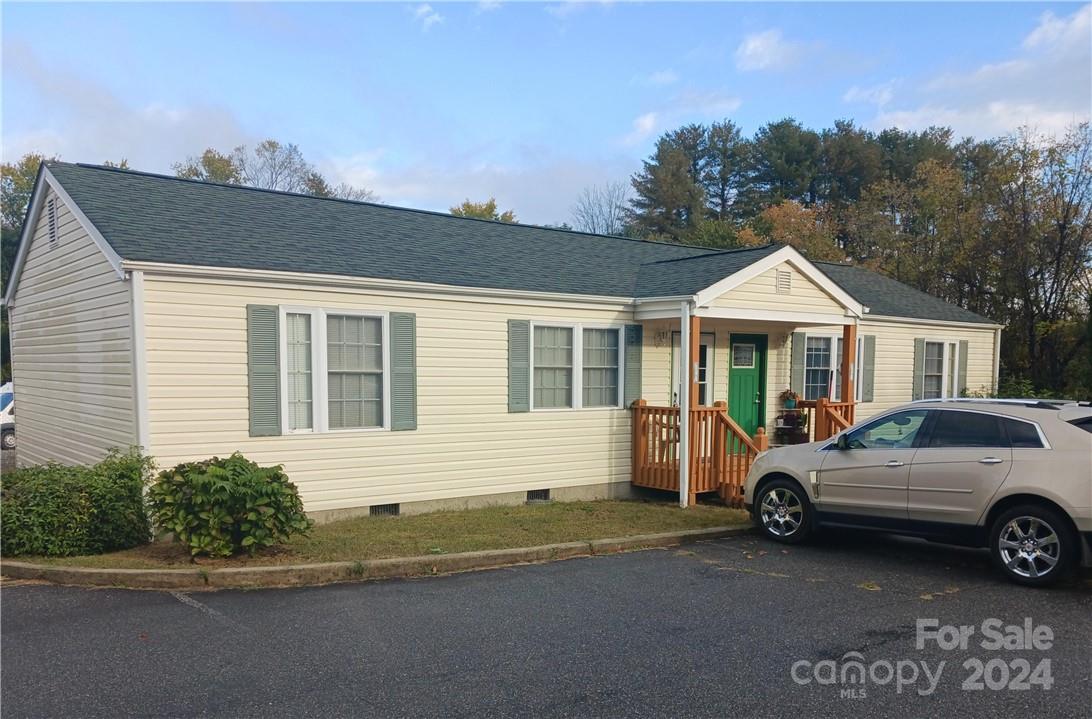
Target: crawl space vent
x=538, y=495
x=383, y=510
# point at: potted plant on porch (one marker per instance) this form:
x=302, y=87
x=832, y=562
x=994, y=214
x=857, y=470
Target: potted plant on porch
x=789, y=398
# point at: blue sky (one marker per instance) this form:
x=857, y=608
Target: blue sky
x=430, y=103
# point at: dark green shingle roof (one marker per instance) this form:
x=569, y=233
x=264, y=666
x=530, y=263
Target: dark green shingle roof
x=690, y=275
x=155, y=218
x=164, y=219
x=885, y=296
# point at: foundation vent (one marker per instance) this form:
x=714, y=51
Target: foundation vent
x=383, y=510
x=538, y=495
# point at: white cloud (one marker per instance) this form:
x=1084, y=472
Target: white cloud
x=427, y=16
x=488, y=6
x=643, y=127
x=767, y=50
x=87, y=122
x=1053, y=31
x=1047, y=85
x=878, y=95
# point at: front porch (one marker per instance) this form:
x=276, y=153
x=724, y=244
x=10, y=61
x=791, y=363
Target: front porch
x=705, y=432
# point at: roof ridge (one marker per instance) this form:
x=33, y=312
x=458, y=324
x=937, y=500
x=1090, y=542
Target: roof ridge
x=715, y=253
x=435, y=213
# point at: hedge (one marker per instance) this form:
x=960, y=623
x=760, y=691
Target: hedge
x=58, y=510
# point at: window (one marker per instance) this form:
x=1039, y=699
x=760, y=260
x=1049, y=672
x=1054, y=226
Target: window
x=967, y=429
x=818, y=366
x=895, y=431
x=743, y=356
x=575, y=367
x=600, y=368
x=300, y=384
x=940, y=374
x=1022, y=435
x=823, y=369
x=333, y=370
x=354, y=351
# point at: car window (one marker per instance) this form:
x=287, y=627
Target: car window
x=896, y=430
x=966, y=429
x=5, y=399
x=1085, y=424
x=1022, y=435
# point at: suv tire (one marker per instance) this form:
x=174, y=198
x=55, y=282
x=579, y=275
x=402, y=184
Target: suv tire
x=783, y=511
x=1033, y=545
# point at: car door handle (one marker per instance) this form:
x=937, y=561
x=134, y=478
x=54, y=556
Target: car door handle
x=894, y=463
x=990, y=460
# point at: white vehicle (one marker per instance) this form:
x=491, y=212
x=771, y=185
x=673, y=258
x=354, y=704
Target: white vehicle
x=7, y=416
x=1013, y=476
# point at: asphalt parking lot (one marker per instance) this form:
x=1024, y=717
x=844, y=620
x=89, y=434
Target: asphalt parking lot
x=714, y=629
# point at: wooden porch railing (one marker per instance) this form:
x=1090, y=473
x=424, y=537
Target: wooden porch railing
x=828, y=417
x=721, y=453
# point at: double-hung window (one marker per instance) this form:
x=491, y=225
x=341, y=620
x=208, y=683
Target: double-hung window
x=823, y=367
x=576, y=367
x=334, y=370
x=940, y=374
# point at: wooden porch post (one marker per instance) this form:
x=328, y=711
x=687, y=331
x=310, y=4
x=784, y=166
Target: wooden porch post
x=849, y=364
x=695, y=354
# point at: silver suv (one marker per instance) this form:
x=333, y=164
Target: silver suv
x=1013, y=476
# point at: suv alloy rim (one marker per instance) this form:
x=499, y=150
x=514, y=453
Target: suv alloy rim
x=1029, y=547
x=782, y=512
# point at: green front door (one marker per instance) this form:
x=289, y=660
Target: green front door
x=747, y=381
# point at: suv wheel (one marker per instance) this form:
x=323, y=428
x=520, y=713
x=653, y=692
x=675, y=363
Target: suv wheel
x=8, y=440
x=783, y=511
x=1032, y=545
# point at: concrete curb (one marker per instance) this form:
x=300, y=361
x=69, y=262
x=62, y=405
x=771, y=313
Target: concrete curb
x=299, y=575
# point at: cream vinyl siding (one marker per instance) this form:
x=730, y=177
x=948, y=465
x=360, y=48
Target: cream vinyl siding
x=71, y=348
x=894, y=374
x=466, y=443
x=759, y=293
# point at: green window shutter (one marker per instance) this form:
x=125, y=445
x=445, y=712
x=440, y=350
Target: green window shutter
x=868, y=368
x=634, y=343
x=519, y=366
x=403, y=329
x=263, y=370
x=961, y=388
x=799, y=348
x=919, y=368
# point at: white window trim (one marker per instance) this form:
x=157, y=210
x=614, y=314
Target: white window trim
x=836, y=365
x=710, y=368
x=577, y=389
x=320, y=413
x=951, y=344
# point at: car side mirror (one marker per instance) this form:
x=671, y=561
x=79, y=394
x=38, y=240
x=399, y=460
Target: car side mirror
x=842, y=442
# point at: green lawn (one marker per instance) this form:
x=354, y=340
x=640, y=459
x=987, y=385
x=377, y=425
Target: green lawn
x=441, y=533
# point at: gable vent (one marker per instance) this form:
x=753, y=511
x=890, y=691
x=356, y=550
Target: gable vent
x=538, y=495
x=51, y=219
x=784, y=282
x=383, y=510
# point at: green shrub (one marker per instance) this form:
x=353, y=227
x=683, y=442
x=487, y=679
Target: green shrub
x=56, y=510
x=221, y=506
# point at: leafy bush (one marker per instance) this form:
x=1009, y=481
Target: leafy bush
x=57, y=510
x=221, y=506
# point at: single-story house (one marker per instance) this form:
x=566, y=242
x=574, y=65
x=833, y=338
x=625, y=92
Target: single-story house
x=389, y=356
